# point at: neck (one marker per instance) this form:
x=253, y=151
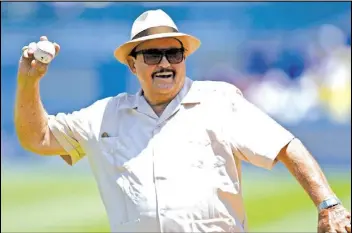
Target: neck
x=158, y=103
x=159, y=109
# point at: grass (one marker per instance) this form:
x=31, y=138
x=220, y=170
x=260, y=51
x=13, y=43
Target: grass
x=68, y=201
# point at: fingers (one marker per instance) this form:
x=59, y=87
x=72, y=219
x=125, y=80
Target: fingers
x=27, y=51
x=334, y=220
x=28, y=65
x=24, y=48
x=25, y=54
x=343, y=227
x=43, y=38
x=32, y=47
x=39, y=66
x=37, y=69
x=57, y=48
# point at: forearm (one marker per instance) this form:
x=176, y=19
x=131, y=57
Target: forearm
x=306, y=170
x=30, y=117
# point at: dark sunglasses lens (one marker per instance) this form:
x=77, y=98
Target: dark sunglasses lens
x=152, y=57
x=174, y=56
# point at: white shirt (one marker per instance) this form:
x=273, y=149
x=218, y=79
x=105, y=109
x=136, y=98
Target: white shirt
x=180, y=172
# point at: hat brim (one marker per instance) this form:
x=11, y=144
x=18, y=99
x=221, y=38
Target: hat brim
x=189, y=42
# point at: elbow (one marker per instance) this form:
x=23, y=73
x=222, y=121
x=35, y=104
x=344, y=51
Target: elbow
x=30, y=143
x=23, y=138
x=33, y=139
x=27, y=144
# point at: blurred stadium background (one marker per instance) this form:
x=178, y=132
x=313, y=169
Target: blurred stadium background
x=293, y=60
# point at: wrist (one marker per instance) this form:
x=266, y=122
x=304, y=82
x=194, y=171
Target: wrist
x=25, y=81
x=328, y=203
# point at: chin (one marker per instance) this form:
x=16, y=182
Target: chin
x=165, y=91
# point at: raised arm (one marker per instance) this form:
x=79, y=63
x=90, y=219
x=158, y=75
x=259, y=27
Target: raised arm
x=31, y=120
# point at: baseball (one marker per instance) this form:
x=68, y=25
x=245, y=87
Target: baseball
x=44, y=52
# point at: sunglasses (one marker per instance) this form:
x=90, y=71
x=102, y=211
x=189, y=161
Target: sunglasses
x=154, y=56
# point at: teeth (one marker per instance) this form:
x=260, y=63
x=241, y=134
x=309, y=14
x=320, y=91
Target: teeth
x=164, y=74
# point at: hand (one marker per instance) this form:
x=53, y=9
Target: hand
x=28, y=66
x=335, y=219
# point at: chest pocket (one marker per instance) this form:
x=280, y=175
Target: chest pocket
x=116, y=152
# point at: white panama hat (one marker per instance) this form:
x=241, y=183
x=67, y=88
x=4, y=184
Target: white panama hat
x=154, y=24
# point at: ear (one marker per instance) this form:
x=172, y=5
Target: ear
x=131, y=64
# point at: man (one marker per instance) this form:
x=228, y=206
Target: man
x=168, y=159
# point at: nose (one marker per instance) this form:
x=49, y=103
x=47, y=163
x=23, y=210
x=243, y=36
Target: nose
x=164, y=62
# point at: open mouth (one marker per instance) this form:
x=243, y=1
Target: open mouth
x=164, y=75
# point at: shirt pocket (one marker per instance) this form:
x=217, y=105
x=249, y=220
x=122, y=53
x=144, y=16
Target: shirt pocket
x=116, y=151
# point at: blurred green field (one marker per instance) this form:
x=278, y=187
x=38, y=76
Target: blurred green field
x=68, y=201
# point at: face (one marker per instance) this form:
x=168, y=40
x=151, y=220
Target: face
x=162, y=81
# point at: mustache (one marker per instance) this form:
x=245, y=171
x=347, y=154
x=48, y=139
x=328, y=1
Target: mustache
x=163, y=70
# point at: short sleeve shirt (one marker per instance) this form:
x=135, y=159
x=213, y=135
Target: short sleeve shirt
x=180, y=172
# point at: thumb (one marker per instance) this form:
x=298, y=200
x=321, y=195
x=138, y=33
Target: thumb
x=37, y=69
